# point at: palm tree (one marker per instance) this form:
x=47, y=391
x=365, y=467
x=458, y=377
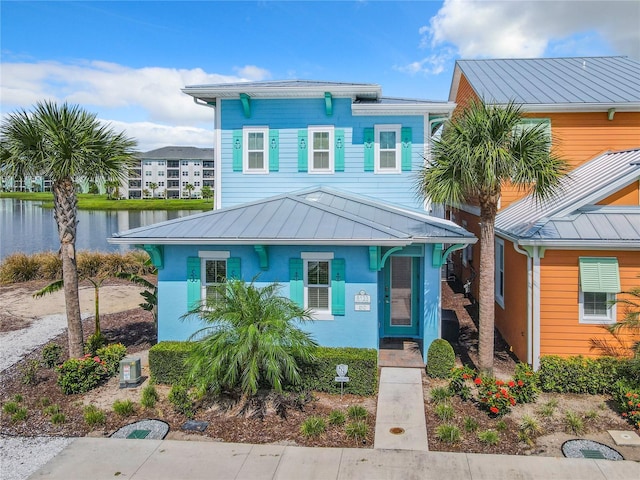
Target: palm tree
x=113, y=189
x=65, y=143
x=153, y=186
x=251, y=338
x=189, y=189
x=480, y=150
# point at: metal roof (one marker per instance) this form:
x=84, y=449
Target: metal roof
x=572, y=214
x=179, y=153
x=612, y=81
x=318, y=216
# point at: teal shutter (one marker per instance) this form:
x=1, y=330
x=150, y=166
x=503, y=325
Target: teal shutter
x=237, y=150
x=233, y=268
x=303, y=157
x=296, y=281
x=368, y=149
x=339, y=151
x=599, y=275
x=193, y=282
x=274, y=150
x=337, y=286
x=406, y=148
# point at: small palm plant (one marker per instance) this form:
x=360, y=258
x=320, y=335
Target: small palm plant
x=252, y=338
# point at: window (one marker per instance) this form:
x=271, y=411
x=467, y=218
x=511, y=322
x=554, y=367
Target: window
x=161, y=173
x=467, y=252
x=196, y=184
x=317, y=283
x=161, y=164
x=196, y=174
x=161, y=184
x=215, y=274
x=387, y=148
x=147, y=173
x=321, y=150
x=599, y=283
x=499, y=272
x=147, y=162
x=185, y=174
x=255, y=153
x=184, y=163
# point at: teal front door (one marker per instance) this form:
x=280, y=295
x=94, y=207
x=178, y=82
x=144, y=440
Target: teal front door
x=400, y=298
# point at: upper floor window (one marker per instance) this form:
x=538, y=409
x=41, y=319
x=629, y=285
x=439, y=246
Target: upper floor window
x=499, y=271
x=185, y=163
x=599, y=283
x=321, y=149
x=387, y=148
x=161, y=173
x=255, y=153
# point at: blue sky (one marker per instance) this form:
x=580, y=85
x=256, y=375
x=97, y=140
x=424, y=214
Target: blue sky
x=127, y=60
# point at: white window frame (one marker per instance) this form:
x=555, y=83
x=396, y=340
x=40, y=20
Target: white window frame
x=377, y=130
x=204, y=257
x=321, y=129
x=499, y=271
x=265, y=150
x=324, y=314
x=609, y=318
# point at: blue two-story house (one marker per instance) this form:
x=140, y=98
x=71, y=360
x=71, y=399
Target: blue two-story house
x=314, y=190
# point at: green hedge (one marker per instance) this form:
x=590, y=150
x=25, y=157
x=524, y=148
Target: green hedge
x=580, y=374
x=167, y=365
x=167, y=362
x=440, y=358
x=363, y=371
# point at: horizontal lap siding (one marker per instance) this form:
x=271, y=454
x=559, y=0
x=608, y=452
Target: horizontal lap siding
x=289, y=116
x=561, y=332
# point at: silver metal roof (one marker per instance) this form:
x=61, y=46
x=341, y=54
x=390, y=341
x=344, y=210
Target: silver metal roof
x=179, y=153
x=318, y=216
x=572, y=215
x=613, y=81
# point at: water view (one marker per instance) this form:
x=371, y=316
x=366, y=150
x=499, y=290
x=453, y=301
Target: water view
x=26, y=227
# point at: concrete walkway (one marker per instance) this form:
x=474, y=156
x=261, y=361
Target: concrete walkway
x=400, y=420
x=109, y=458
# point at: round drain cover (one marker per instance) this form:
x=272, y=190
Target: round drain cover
x=589, y=449
x=397, y=430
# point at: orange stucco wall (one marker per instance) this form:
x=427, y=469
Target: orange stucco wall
x=561, y=332
x=627, y=197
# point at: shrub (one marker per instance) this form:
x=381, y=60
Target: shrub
x=111, y=355
x=320, y=375
x=459, y=384
x=579, y=374
x=336, y=417
x=494, y=396
x=357, y=412
x=19, y=267
x=524, y=386
x=79, y=375
x=444, y=411
x=573, y=423
x=448, y=433
x=440, y=394
x=30, y=372
x=440, y=358
x=181, y=401
x=168, y=362
x=470, y=424
x=490, y=437
x=149, y=396
x=357, y=430
x=313, y=427
x=94, y=343
x=628, y=401
x=124, y=408
x=51, y=355
x=94, y=416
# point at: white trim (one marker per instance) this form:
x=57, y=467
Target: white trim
x=529, y=330
x=367, y=109
x=499, y=296
x=310, y=151
x=609, y=318
x=536, y=308
x=316, y=255
x=377, y=130
x=245, y=151
x=214, y=254
x=217, y=167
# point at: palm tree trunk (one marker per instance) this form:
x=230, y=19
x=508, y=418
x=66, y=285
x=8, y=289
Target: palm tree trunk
x=64, y=200
x=487, y=282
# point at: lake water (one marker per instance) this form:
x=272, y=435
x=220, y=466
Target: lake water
x=28, y=228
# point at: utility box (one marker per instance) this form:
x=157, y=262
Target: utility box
x=130, y=372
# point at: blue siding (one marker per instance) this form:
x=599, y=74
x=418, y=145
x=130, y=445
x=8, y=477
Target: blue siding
x=431, y=303
x=288, y=116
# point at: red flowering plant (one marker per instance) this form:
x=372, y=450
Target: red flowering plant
x=630, y=407
x=524, y=386
x=79, y=375
x=460, y=378
x=494, y=396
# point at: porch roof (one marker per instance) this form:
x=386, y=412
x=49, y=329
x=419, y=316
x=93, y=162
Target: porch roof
x=572, y=217
x=317, y=216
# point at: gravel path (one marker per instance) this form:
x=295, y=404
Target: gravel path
x=22, y=456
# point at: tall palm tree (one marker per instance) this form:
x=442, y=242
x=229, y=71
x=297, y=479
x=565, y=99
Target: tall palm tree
x=65, y=143
x=481, y=149
x=251, y=338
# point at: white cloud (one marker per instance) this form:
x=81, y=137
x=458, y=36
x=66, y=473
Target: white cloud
x=145, y=102
x=507, y=29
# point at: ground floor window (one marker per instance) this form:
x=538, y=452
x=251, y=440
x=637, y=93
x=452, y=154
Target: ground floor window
x=599, y=283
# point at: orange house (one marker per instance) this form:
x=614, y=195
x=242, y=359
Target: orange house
x=559, y=264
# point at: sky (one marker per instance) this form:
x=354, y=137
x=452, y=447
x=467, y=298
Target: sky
x=126, y=61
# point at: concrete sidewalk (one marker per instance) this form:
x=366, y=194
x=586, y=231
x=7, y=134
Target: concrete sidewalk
x=109, y=458
x=400, y=420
